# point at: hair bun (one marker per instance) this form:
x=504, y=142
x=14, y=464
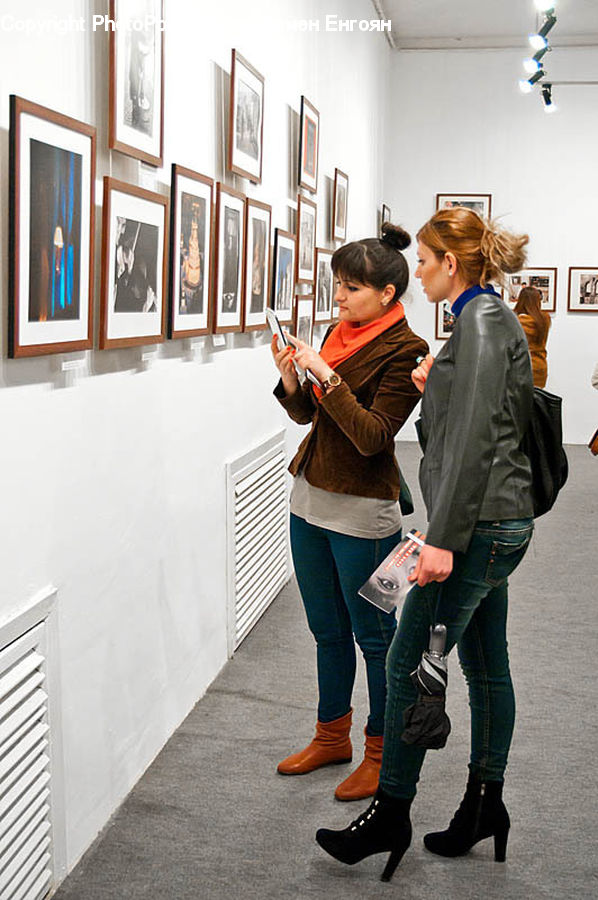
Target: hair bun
x=396, y=236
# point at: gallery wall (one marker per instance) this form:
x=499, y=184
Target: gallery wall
x=112, y=472
x=457, y=123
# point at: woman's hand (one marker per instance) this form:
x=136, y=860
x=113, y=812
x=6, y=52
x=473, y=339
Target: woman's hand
x=283, y=360
x=433, y=564
x=420, y=374
x=308, y=358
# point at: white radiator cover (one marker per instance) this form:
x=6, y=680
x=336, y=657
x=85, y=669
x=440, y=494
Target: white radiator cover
x=257, y=534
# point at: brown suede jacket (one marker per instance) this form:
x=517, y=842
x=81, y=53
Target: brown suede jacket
x=350, y=447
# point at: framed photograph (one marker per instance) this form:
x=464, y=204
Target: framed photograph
x=191, y=239
x=479, y=203
x=228, y=263
x=324, y=286
x=134, y=230
x=246, y=119
x=52, y=179
x=304, y=318
x=339, y=206
x=583, y=289
x=308, y=146
x=544, y=280
x=258, y=219
x=283, y=276
x=445, y=320
x=136, y=113
x=306, y=240
x=386, y=214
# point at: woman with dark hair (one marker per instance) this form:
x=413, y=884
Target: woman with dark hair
x=345, y=515
x=476, y=483
x=536, y=324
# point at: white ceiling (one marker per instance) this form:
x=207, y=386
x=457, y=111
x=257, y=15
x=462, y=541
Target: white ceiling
x=437, y=24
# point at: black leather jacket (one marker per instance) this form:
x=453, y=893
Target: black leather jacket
x=476, y=405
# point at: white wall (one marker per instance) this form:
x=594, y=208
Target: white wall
x=112, y=482
x=457, y=122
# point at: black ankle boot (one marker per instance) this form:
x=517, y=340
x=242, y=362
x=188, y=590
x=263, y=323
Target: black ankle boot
x=482, y=814
x=384, y=825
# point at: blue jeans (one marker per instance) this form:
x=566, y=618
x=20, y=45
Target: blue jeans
x=330, y=568
x=472, y=603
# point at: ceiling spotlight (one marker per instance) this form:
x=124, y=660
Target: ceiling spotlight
x=526, y=86
x=532, y=64
x=549, y=106
x=538, y=41
x=545, y=6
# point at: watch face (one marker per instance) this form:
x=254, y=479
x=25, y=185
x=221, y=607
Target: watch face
x=334, y=380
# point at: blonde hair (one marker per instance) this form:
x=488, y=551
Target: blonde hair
x=484, y=251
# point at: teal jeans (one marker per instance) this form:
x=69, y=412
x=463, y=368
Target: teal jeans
x=472, y=603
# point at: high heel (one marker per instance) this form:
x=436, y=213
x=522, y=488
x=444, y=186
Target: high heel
x=482, y=814
x=384, y=826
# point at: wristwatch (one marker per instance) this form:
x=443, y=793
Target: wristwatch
x=333, y=380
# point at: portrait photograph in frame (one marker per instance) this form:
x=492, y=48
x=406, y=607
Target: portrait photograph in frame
x=339, y=206
x=324, y=292
x=51, y=233
x=303, y=327
x=582, y=295
x=134, y=235
x=479, y=203
x=445, y=320
x=306, y=240
x=229, y=239
x=136, y=108
x=543, y=279
x=246, y=119
x=309, y=139
x=258, y=219
x=191, y=244
x=283, y=276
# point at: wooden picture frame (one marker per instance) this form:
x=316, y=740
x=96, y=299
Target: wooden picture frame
x=136, y=105
x=479, y=203
x=582, y=292
x=246, y=119
x=340, y=206
x=191, y=253
x=134, y=273
x=543, y=279
x=258, y=261
x=445, y=320
x=229, y=255
x=324, y=292
x=307, y=212
x=303, y=326
x=282, y=298
x=309, y=142
x=51, y=231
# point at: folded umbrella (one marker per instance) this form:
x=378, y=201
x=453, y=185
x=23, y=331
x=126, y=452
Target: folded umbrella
x=426, y=722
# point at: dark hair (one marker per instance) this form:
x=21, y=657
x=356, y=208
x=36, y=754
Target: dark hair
x=529, y=303
x=376, y=262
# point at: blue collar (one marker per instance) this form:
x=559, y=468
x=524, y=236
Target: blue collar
x=469, y=294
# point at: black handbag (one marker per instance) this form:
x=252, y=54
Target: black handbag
x=543, y=445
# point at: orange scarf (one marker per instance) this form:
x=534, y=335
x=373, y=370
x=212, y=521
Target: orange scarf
x=345, y=340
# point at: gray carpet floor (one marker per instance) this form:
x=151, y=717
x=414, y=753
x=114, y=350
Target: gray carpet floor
x=211, y=819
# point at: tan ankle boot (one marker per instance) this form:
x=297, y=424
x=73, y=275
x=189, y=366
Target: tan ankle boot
x=331, y=744
x=363, y=782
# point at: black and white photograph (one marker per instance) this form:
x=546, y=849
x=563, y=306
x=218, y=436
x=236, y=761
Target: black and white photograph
x=583, y=289
x=133, y=266
x=283, y=276
x=339, y=206
x=51, y=223
x=229, y=257
x=478, y=203
x=137, y=79
x=445, y=320
x=304, y=318
x=309, y=132
x=543, y=279
x=246, y=119
x=190, y=253
x=306, y=239
x=258, y=218
x=324, y=292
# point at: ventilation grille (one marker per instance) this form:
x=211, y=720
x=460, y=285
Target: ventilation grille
x=257, y=534
x=25, y=816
